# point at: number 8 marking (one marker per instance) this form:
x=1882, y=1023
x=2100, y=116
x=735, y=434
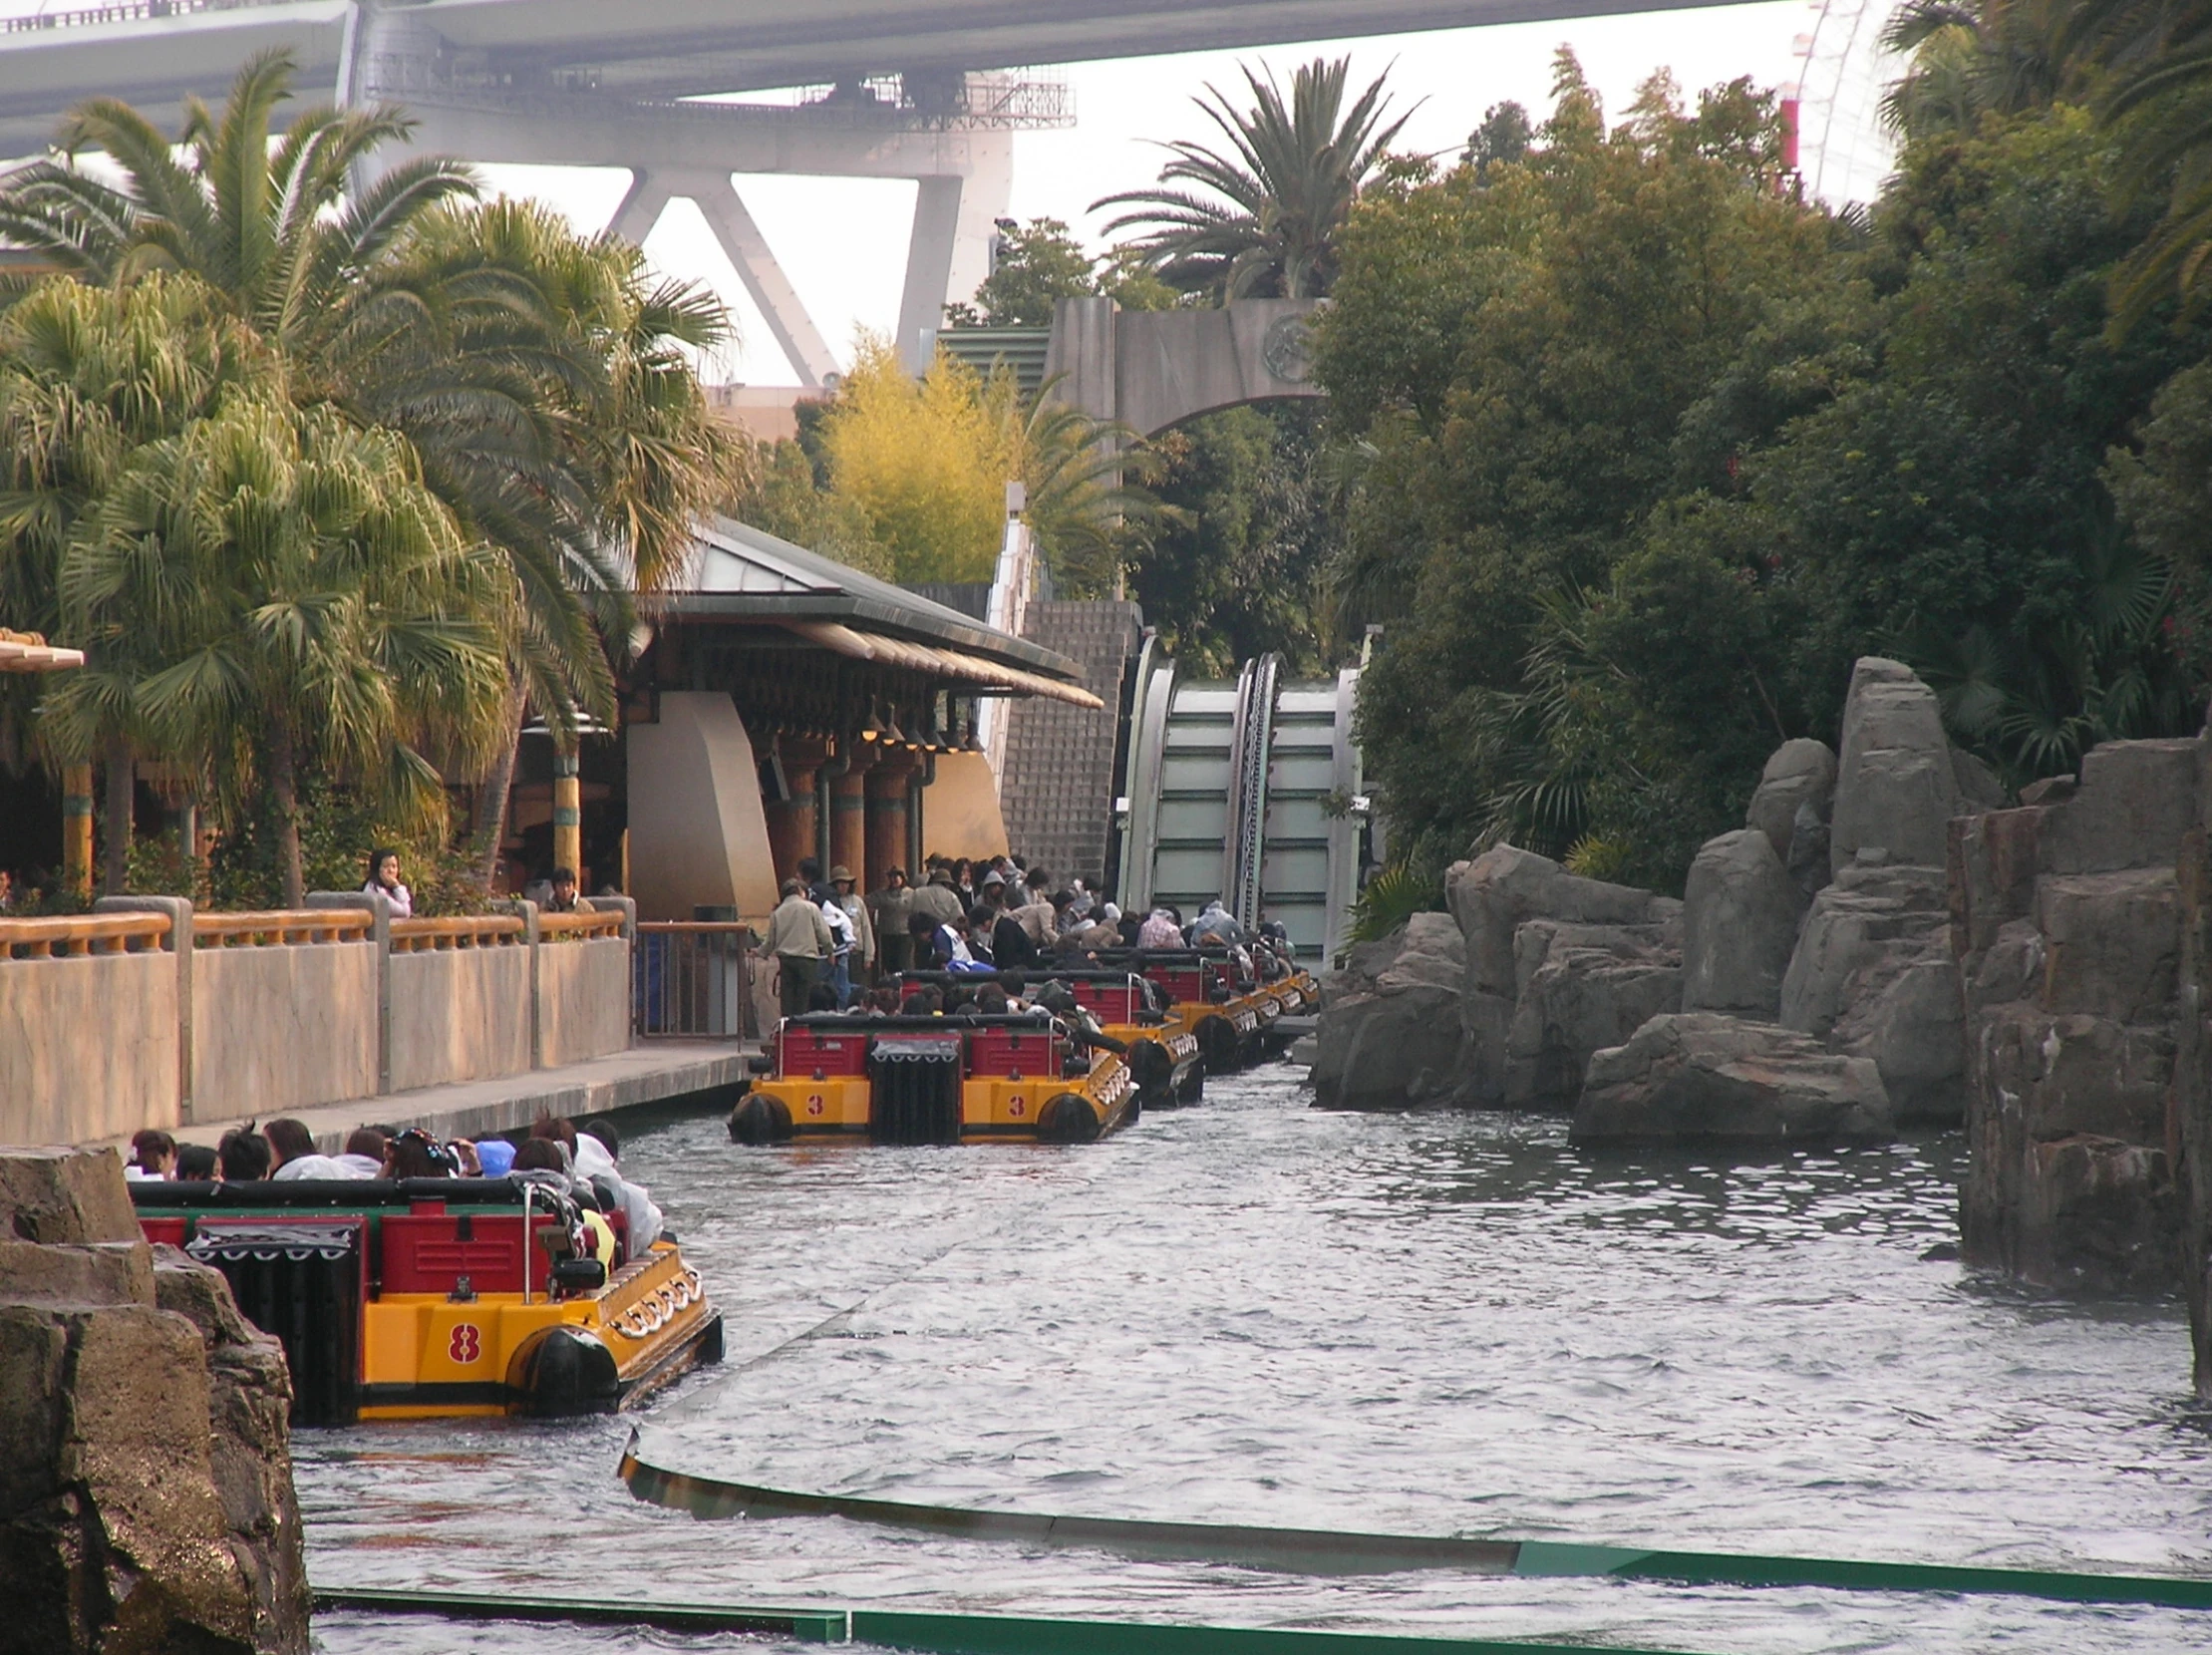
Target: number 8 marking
x=465, y=1345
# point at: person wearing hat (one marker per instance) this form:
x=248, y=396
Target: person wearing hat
x=888, y=911
x=939, y=901
x=860, y=963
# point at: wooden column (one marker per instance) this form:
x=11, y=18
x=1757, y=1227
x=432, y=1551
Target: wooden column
x=793, y=823
x=569, y=814
x=77, y=831
x=885, y=782
x=848, y=820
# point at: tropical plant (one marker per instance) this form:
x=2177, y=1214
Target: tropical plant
x=1391, y=897
x=306, y=604
x=1084, y=484
x=87, y=378
x=1261, y=220
x=2001, y=57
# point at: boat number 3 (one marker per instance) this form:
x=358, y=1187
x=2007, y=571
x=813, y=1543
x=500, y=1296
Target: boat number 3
x=1014, y=1105
x=465, y=1345
x=814, y=1105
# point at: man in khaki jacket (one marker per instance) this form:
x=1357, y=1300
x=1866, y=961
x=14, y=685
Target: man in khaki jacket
x=799, y=937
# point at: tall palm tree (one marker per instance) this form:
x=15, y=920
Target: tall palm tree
x=305, y=605
x=540, y=377
x=1261, y=220
x=1977, y=57
x=87, y=378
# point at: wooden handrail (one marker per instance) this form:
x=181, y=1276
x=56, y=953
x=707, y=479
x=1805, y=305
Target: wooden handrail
x=76, y=935
x=579, y=924
x=280, y=925
x=422, y=936
x=711, y=926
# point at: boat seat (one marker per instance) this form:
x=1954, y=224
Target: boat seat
x=824, y=1052
x=1002, y=1051
x=161, y=1230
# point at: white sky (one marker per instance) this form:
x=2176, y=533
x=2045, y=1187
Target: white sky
x=842, y=241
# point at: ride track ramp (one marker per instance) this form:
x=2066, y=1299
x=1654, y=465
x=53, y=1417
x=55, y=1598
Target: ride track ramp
x=1241, y=791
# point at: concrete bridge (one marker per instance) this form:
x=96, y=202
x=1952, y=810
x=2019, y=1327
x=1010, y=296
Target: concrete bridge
x=893, y=91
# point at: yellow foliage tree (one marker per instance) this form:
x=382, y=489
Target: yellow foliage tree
x=926, y=463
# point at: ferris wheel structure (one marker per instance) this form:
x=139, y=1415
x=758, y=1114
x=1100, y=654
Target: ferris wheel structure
x=1844, y=149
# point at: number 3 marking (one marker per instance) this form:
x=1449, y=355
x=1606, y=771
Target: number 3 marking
x=465, y=1345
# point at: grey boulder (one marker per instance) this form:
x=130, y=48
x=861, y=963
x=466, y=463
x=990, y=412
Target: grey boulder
x=1739, y=914
x=1704, y=1078
x=1896, y=786
x=1800, y=775
x=1582, y=988
x=1389, y=1031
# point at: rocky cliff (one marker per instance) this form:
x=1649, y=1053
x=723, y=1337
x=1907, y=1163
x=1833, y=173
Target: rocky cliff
x=146, y=1489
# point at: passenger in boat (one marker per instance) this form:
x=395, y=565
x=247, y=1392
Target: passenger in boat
x=1216, y=924
x=1011, y=943
x=292, y=1152
x=364, y=1156
x=992, y=1000
x=926, y=1001
x=197, y=1164
x=383, y=879
x=798, y=938
x=883, y=1002
x=1104, y=932
x=243, y=1155
x=982, y=920
x=1162, y=929
x=1036, y=913
x=494, y=1157
x=888, y=911
x=599, y=1155
x=152, y=1156
x=414, y=1153
x=540, y=1160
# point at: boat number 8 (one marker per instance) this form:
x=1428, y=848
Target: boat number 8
x=465, y=1345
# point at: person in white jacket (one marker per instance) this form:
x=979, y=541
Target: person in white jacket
x=598, y=1149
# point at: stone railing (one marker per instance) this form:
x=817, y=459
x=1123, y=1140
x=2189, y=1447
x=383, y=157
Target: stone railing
x=144, y=1013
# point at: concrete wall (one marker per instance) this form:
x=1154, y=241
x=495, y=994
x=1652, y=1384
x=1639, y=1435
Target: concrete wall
x=282, y=1027
x=460, y=1014
x=583, y=999
x=87, y=1047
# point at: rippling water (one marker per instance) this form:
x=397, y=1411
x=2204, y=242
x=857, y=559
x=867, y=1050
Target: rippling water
x=1256, y=1312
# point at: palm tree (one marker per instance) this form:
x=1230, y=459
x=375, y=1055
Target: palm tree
x=305, y=605
x=1977, y=57
x=1082, y=478
x=541, y=379
x=1261, y=221
x=92, y=376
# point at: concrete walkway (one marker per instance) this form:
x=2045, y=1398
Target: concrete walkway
x=645, y=1073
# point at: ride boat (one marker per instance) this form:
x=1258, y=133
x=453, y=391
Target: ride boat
x=1161, y=1053
x=934, y=1080
x=418, y=1299
x=1230, y=1015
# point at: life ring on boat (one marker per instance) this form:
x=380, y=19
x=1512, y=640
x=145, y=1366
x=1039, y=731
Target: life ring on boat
x=1219, y=1045
x=1067, y=1118
x=761, y=1119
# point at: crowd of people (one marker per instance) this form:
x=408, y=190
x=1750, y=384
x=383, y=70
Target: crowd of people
x=581, y=1164
x=834, y=949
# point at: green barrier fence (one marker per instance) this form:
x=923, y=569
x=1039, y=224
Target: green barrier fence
x=1324, y=1551
x=936, y=1634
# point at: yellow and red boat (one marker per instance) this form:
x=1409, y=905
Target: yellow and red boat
x=420, y=1298
x=1231, y=1016
x=1161, y=1053
x=934, y=1080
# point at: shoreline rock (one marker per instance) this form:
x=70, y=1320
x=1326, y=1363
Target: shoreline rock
x=1705, y=1077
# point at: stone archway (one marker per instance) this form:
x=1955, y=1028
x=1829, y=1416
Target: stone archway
x=1151, y=368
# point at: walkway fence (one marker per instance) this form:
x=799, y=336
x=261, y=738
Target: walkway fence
x=144, y=1013
x=697, y=978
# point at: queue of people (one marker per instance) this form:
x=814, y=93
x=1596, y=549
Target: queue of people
x=831, y=945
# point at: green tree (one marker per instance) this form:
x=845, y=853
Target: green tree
x=1261, y=219
x=306, y=604
x=87, y=378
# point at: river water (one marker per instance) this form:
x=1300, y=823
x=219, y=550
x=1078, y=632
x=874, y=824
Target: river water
x=1256, y=1312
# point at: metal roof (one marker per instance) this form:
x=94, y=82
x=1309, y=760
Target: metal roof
x=746, y=574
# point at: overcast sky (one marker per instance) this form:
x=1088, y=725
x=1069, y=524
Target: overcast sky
x=843, y=241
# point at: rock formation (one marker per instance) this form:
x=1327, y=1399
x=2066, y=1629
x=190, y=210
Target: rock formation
x=1698, y=1076
x=1616, y=960
x=2067, y=920
x=1739, y=912
x=1896, y=786
x=1791, y=807
x=1389, y=1033
x=146, y=1490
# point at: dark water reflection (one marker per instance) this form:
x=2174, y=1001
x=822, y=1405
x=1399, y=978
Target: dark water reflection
x=1255, y=1312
